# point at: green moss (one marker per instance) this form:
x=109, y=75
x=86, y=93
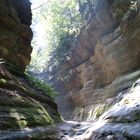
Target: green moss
x=22, y=117
x=99, y=110
x=21, y=107
x=32, y=111
x=3, y=81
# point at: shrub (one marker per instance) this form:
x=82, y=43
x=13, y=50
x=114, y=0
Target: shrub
x=41, y=85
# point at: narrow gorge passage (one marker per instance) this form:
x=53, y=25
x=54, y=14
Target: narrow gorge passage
x=70, y=70
x=95, y=76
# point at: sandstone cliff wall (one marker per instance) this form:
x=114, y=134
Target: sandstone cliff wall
x=104, y=59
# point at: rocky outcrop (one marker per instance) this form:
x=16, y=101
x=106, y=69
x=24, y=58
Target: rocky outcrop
x=120, y=122
x=15, y=33
x=102, y=62
x=25, y=113
x=22, y=106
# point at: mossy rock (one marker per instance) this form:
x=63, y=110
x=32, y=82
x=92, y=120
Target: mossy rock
x=21, y=107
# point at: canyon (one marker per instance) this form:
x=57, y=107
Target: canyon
x=103, y=61
x=98, y=83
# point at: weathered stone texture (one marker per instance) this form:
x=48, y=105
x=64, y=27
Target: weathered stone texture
x=25, y=112
x=106, y=49
x=15, y=32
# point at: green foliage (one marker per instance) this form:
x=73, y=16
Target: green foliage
x=64, y=45
x=40, y=85
x=61, y=21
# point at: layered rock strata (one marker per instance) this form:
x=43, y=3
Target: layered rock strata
x=15, y=32
x=25, y=113
x=103, y=60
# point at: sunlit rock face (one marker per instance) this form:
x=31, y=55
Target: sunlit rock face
x=103, y=61
x=15, y=32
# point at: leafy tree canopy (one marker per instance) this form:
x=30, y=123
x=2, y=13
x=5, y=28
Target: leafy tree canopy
x=54, y=23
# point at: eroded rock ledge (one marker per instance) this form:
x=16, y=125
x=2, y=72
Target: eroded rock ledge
x=103, y=61
x=23, y=108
